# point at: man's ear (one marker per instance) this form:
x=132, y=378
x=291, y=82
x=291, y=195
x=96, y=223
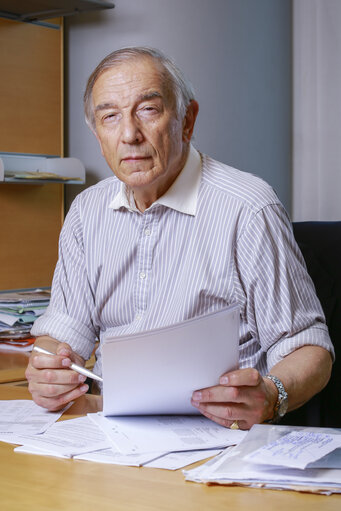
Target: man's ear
x=189, y=120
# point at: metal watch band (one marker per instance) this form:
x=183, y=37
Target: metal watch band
x=281, y=405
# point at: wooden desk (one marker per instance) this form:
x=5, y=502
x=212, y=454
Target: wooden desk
x=41, y=483
x=12, y=366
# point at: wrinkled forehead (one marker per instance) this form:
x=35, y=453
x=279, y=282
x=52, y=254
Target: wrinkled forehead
x=138, y=71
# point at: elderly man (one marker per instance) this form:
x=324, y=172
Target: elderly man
x=175, y=235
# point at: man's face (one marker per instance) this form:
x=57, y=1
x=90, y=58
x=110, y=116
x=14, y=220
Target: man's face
x=136, y=125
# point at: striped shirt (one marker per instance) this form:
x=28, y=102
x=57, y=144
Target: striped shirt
x=218, y=236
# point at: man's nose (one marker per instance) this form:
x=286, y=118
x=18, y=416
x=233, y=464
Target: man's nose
x=131, y=133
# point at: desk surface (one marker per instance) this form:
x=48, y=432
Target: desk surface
x=42, y=483
x=13, y=365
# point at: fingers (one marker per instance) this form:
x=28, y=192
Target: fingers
x=242, y=395
x=227, y=423
x=65, y=350
x=41, y=361
x=52, y=376
x=224, y=394
x=50, y=382
x=242, y=377
x=54, y=402
x=53, y=389
x=226, y=413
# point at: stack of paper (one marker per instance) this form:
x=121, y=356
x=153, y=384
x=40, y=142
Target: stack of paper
x=276, y=457
x=170, y=443
x=174, y=441
x=18, y=311
x=279, y=457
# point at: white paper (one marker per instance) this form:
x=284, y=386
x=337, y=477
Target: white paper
x=169, y=461
x=230, y=467
x=113, y=457
x=68, y=438
x=8, y=319
x=33, y=450
x=176, y=460
x=165, y=433
x=24, y=417
x=296, y=449
x=156, y=372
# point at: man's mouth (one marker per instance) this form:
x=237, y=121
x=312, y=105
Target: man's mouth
x=135, y=158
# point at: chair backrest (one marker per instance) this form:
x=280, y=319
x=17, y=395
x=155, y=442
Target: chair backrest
x=320, y=243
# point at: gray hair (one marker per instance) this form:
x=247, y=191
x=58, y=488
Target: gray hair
x=173, y=78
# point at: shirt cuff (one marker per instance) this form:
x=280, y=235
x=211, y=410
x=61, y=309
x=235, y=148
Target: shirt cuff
x=63, y=328
x=312, y=336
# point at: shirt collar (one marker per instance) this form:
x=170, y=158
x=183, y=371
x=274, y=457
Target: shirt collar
x=182, y=196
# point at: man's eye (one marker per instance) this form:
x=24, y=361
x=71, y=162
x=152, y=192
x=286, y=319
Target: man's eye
x=148, y=111
x=109, y=117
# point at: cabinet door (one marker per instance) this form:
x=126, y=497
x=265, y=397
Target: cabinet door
x=30, y=88
x=31, y=121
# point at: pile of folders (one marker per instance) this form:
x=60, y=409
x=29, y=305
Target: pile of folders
x=18, y=311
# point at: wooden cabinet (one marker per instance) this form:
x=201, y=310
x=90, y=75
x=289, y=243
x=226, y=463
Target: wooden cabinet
x=31, y=121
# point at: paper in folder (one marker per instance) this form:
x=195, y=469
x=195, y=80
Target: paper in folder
x=155, y=372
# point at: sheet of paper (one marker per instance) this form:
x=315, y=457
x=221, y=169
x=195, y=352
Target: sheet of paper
x=68, y=438
x=330, y=460
x=33, y=450
x=24, y=417
x=169, y=461
x=156, y=372
x=113, y=457
x=231, y=468
x=176, y=460
x=296, y=449
x=165, y=433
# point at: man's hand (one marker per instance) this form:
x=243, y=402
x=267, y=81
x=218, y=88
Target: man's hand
x=50, y=382
x=242, y=395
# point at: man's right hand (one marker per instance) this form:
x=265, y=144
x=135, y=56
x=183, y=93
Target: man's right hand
x=50, y=382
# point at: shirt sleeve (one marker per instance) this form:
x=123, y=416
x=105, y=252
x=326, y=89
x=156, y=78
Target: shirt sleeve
x=68, y=317
x=282, y=310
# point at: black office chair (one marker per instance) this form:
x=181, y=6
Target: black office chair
x=320, y=243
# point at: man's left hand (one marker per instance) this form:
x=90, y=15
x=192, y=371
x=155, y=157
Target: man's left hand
x=242, y=395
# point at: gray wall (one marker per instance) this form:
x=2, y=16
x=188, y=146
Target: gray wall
x=237, y=54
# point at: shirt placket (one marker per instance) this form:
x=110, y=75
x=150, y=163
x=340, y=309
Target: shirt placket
x=148, y=238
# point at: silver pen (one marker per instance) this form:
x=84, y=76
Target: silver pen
x=75, y=367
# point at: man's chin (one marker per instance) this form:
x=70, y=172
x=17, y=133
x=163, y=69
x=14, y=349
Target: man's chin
x=139, y=176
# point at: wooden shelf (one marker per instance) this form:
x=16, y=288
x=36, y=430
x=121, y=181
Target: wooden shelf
x=35, y=10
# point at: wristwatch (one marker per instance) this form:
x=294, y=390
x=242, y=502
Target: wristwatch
x=281, y=405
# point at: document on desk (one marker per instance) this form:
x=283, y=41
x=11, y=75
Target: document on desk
x=297, y=449
x=112, y=456
x=237, y=465
x=23, y=416
x=169, y=461
x=176, y=460
x=145, y=434
x=67, y=438
x=156, y=372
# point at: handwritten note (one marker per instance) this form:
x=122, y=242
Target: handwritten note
x=296, y=449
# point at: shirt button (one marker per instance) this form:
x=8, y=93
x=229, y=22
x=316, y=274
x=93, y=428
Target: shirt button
x=147, y=232
x=138, y=317
x=142, y=275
